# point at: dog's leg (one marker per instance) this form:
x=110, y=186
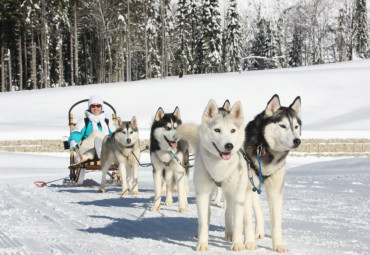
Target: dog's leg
x=169, y=186
x=180, y=177
x=217, y=200
x=129, y=176
x=104, y=171
x=163, y=187
x=260, y=223
x=249, y=237
x=274, y=190
x=123, y=174
x=157, y=176
x=135, y=188
x=238, y=201
x=229, y=217
x=204, y=215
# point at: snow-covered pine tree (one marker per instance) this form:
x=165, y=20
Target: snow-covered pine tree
x=183, y=34
x=259, y=46
x=340, y=38
x=233, y=43
x=212, y=36
x=167, y=30
x=296, y=47
x=152, y=38
x=272, y=42
x=360, y=28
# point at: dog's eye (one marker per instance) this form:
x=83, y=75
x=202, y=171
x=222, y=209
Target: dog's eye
x=124, y=133
x=217, y=130
x=233, y=130
x=167, y=128
x=131, y=132
x=296, y=127
x=283, y=126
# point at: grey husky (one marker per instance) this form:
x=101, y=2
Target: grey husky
x=271, y=135
x=218, y=163
x=170, y=159
x=123, y=148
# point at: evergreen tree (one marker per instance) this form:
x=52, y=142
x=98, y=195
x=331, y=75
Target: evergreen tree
x=152, y=37
x=233, y=44
x=259, y=46
x=183, y=34
x=296, y=47
x=340, y=38
x=211, y=43
x=360, y=28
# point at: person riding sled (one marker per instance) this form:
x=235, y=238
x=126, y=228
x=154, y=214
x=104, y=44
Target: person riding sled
x=87, y=136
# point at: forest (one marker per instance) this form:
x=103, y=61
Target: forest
x=58, y=43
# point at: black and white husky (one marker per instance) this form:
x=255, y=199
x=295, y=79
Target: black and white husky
x=123, y=148
x=271, y=135
x=169, y=158
x=218, y=163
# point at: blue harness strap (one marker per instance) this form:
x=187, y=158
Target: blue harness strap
x=259, y=150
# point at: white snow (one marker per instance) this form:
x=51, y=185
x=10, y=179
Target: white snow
x=326, y=205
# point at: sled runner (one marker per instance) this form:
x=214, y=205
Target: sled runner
x=77, y=171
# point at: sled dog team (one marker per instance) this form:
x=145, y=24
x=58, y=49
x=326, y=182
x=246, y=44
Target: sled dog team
x=227, y=156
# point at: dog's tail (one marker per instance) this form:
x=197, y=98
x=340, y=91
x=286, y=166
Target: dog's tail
x=189, y=132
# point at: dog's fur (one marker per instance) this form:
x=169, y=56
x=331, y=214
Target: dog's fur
x=87, y=150
x=166, y=169
x=119, y=148
x=277, y=129
x=217, y=162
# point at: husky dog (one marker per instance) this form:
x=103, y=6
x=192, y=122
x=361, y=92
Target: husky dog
x=170, y=159
x=218, y=163
x=123, y=148
x=272, y=134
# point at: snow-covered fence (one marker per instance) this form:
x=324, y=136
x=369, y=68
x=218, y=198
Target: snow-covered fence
x=309, y=147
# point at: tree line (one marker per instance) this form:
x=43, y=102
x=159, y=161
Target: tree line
x=56, y=43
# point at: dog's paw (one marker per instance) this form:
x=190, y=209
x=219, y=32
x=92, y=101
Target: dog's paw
x=155, y=208
x=101, y=190
x=182, y=209
x=228, y=236
x=281, y=248
x=168, y=202
x=202, y=247
x=260, y=234
x=124, y=193
x=250, y=245
x=237, y=246
x=135, y=192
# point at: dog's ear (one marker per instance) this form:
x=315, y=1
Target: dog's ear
x=210, y=111
x=272, y=106
x=237, y=111
x=176, y=112
x=296, y=106
x=159, y=115
x=134, y=121
x=119, y=121
x=227, y=105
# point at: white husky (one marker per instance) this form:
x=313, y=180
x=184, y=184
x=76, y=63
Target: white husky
x=218, y=163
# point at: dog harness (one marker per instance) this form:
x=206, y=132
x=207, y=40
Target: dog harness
x=259, y=173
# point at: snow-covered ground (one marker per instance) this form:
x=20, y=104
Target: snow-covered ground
x=327, y=201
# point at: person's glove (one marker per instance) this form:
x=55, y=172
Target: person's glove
x=72, y=145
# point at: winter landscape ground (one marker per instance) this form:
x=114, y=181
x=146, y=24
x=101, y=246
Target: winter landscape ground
x=327, y=200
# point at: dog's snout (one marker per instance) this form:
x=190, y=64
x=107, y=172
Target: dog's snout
x=297, y=142
x=229, y=146
x=128, y=140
